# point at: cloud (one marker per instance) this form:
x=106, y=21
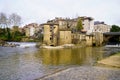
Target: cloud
x=42, y=10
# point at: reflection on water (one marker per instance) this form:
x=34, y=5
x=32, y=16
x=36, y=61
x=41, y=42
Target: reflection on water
x=79, y=56
x=32, y=63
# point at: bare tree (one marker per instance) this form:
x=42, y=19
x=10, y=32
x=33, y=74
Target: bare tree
x=15, y=20
x=3, y=20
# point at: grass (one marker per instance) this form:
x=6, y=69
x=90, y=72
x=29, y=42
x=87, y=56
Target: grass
x=118, y=54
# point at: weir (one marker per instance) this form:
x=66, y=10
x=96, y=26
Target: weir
x=23, y=44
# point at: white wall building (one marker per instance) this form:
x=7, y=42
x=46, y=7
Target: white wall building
x=88, y=24
x=31, y=29
x=101, y=27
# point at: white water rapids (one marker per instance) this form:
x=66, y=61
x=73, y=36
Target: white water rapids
x=23, y=44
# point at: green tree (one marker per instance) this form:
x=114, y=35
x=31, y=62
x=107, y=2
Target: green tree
x=16, y=34
x=3, y=34
x=79, y=26
x=8, y=34
x=115, y=28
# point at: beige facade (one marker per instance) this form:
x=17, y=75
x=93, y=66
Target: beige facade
x=59, y=32
x=64, y=23
x=102, y=28
x=31, y=29
x=65, y=37
x=77, y=38
x=89, y=40
x=82, y=39
x=67, y=23
x=50, y=34
x=98, y=38
x=54, y=36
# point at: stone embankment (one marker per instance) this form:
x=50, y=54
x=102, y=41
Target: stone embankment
x=58, y=47
x=85, y=73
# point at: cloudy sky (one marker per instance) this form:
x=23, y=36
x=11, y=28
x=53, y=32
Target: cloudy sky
x=42, y=10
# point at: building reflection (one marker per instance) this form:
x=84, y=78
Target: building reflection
x=79, y=56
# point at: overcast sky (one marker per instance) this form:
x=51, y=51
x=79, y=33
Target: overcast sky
x=42, y=10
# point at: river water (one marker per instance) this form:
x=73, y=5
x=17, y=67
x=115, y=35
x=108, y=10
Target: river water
x=31, y=63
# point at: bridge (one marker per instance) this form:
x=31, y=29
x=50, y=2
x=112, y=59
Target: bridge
x=111, y=38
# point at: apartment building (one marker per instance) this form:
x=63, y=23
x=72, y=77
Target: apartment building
x=50, y=34
x=67, y=23
x=88, y=24
x=101, y=27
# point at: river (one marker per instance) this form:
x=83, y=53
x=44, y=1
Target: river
x=31, y=63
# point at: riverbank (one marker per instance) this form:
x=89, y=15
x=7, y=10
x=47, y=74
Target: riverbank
x=60, y=47
x=113, y=60
x=85, y=73
x=18, y=44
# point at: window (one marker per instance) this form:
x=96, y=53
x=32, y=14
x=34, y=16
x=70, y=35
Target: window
x=50, y=30
x=50, y=38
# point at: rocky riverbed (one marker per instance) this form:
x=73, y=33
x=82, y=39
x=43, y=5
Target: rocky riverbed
x=85, y=73
x=6, y=44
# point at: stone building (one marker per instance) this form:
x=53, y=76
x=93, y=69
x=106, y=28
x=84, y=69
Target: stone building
x=98, y=39
x=77, y=38
x=65, y=37
x=67, y=23
x=101, y=27
x=88, y=24
x=64, y=23
x=59, y=31
x=54, y=36
x=82, y=39
x=31, y=29
x=89, y=40
x=50, y=34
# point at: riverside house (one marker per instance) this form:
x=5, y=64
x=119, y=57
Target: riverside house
x=101, y=27
x=54, y=36
x=67, y=23
x=31, y=29
x=60, y=31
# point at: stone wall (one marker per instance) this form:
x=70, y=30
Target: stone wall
x=89, y=40
x=50, y=34
x=46, y=38
x=64, y=37
x=78, y=38
x=98, y=39
x=102, y=28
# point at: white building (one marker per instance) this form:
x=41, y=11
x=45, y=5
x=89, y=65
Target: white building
x=88, y=24
x=101, y=27
x=31, y=29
